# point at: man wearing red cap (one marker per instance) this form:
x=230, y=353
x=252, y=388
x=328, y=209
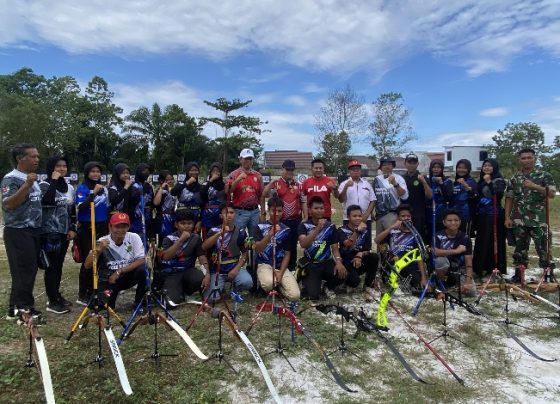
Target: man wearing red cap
x=357, y=191
x=120, y=260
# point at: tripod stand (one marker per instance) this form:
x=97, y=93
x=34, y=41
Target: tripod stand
x=92, y=313
x=148, y=301
x=342, y=346
x=270, y=241
x=445, y=333
x=220, y=355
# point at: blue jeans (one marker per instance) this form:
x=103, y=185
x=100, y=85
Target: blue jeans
x=247, y=219
x=241, y=282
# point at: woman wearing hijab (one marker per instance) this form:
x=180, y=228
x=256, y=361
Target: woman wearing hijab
x=491, y=185
x=57, y=229
x=90, y=190
x=141, y=220
x=188, y=192
x=212, y=195
x=465, y=191
x=119, y=189
x=442, y=189
x=165, y=203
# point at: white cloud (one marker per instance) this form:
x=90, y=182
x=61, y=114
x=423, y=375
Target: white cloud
x=130, y=97
x=477, y=137
x=494, y=112
x=296, y=100
x=334, y=35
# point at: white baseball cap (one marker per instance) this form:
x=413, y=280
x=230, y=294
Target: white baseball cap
x=246, y=153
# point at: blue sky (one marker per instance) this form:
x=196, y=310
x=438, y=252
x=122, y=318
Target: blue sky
x=465, y=68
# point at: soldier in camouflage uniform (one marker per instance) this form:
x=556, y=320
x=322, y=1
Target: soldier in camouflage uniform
x=525, y=211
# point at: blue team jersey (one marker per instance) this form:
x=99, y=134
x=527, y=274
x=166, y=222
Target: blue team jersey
x=231, y=245
x=348, y=253
x=186, y=255
x=101, y=203
x=282, y=239
x=320, y=248
x=444, y=242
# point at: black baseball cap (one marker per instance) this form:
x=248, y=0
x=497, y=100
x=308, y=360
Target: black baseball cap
x=289, y=164
x=411, y=157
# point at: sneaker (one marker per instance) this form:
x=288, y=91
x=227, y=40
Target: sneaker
x=57, y=308
x=64, y=302
x=329, y=294
x=82, y=301
x=36, y=315
x=11, y=315
x=369, y=294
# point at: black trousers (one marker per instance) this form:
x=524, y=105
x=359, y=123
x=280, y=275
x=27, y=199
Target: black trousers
x=293, y=241
x=315, y=273
x=85, y=280
x=55, y=245
x=22, y=248
x=369, y=267
x=178, y=284
x=126, y=281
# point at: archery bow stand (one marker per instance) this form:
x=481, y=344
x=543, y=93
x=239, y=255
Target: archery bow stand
x=272, y=295
x=342, y=346
x=92, y=311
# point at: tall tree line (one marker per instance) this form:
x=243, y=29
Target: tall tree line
x=57, y=116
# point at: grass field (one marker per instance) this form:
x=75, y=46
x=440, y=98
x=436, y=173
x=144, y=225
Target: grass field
x=494, y=368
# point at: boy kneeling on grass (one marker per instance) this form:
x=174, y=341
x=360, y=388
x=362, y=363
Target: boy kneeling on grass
x=453, y=250
x=356, y=256
x=318, y=237
x=231, y=250
x=400, y=241
x=120, y=260
x=178, y=274
x=279, y=255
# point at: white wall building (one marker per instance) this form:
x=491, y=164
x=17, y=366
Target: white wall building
x=475, y=154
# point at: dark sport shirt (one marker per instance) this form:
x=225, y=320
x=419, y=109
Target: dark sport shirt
x=445, y=242
x=186, y=255
x=282, y=240
x=320, y=248
x=348, y=253
x=231, y=252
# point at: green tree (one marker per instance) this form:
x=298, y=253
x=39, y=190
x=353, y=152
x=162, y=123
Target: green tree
x=99, y=119
x=183, y=140
x=514, y=137
x=228, y=122
x=148, y=128
x=233, y=145
x=334, y=151
x=391, y=129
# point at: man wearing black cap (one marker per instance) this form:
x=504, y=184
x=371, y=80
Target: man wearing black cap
x=357, y=191
x=389, y=190
x=419, y=191
x=289, y=191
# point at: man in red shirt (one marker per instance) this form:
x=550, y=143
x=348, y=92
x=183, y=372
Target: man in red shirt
x=245, y=186
x=289, y=191
x=319, y=185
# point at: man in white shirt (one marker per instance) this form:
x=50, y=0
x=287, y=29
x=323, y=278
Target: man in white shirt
x=390, y=189
x=120, y=261
x=357, y=191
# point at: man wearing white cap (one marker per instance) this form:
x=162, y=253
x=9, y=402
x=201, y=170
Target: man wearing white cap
x=245, y=186
x=357, y=191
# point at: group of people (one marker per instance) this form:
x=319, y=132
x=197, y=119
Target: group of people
x=222, y=223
